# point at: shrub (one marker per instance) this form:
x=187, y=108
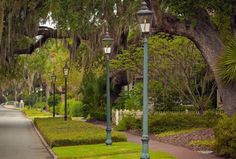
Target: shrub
x=225, y=135
x=128, y=122
x=57, y=100
x=40, y=105
x=74, y=108
x=98, y=115
x=58, y=132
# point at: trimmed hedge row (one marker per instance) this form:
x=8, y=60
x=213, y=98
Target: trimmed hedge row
x=159, y=123
x=58, y=132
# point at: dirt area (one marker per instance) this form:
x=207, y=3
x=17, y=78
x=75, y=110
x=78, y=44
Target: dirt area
x=184, y=139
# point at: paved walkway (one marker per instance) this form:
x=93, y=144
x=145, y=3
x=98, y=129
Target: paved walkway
x=18, y=140
x=178, y=152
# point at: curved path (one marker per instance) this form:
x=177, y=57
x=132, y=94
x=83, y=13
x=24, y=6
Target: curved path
x=177, y=151
x=18, y=139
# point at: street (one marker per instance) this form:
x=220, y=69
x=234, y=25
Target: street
x=18, y=139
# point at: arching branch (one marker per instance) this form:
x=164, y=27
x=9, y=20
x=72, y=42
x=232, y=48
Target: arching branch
x=45, y=33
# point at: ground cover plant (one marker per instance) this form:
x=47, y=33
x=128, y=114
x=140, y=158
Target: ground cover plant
x=101, y=151
x=35, y=113
x=210, y=143
x=177, y=132
x=58, y=132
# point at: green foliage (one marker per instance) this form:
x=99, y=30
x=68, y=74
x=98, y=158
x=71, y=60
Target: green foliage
x=225, y=135
x=171, y=133
x=128, y=122
x=101, y=151
x=40, y=105
x=227, y=64
x=93, y=93
x=57, y=100
x=58, y=132
x=192, y=8
x=75, y=108
x=162, y=122
x=177, y=72
x=130, y=99
x=98, y=114
x=205, y=143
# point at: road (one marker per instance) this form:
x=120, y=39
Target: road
x=18, y=139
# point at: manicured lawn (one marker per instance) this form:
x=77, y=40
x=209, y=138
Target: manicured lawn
x=101, y=151
x=36, y=113
x=58, y=132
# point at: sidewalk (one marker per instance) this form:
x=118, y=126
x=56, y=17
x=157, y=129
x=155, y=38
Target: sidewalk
x=177, y=151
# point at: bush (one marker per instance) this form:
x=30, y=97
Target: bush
x=128, y=122
x=162, y=122
x=74, y=108
x=98, y=115
x=58, y=132
x=57, y=100
x=225, y=135
x=40, y=105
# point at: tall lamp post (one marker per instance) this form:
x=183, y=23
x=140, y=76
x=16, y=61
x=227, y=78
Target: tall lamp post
x=54, y=91
x=107, y=47
x=144, y=17
x=66, y=72
x=41, y=96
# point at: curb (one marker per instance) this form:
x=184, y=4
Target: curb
x=45, y=144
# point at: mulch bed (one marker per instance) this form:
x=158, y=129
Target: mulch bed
x=184, y=139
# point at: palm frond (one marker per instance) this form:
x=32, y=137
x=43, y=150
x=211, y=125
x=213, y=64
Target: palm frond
x=227, y=64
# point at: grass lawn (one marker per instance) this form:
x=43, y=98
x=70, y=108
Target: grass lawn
x=58, y=132
x=101, y=151
x=35, y=113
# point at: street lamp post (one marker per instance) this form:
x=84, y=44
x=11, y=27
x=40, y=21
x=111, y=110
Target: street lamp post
x=107, y=47
x=41, y=96
x=66, y=72
x=144, y=17
x=54, y=91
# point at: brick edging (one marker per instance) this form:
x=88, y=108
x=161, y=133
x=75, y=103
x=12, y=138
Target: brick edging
x=45, y=144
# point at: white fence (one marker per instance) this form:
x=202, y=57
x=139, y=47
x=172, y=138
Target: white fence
x=117, y=115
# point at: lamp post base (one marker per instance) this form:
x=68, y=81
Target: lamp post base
x=108, y=139
x=145, y=154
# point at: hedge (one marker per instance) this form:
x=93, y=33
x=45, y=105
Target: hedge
x=225, y=137
x=58, y=132
x=159, y=123
x=163, y=122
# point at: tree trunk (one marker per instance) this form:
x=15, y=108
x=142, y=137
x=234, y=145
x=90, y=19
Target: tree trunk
x=206, y=37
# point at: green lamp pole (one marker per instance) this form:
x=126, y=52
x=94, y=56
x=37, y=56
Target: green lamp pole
x=66, y=72
x=107, y=47
x=54, y=92
x=144, y=17
x=41, y=97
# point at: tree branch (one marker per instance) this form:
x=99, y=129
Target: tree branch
x=45, y=33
